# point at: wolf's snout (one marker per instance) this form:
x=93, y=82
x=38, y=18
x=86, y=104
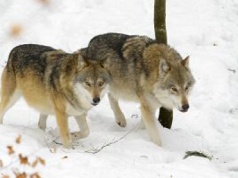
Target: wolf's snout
x=96, y=100
x=185, y=108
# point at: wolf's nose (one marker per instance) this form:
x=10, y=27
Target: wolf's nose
x=96, y=100
x=185, y=107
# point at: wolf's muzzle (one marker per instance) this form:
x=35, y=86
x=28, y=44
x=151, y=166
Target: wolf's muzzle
x=185, y=108
x=96, y=100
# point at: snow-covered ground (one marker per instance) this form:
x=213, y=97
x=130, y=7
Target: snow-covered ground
x=205, y=30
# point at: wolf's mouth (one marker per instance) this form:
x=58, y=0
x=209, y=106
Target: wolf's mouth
x=183, y=110
x=95, y=101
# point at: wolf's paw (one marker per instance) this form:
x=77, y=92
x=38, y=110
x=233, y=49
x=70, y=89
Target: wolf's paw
x=142, y=125
x=42, y=126
x=79, y=135
x=157, y=141
x=121, y=122
x=67, y=144
x=1, y=120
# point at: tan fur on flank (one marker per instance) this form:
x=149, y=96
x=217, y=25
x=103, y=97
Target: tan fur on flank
x=53, y=82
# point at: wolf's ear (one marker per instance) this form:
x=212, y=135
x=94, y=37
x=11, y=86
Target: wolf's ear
x=81, y=61
x=104, y=64
x=185, y=62
x=163, y=67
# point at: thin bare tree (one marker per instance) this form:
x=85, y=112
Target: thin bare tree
x=165, y=116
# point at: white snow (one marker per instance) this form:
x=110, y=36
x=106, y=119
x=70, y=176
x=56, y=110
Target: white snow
x=205, y=30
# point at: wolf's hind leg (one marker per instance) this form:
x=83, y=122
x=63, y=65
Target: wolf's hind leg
x=9, y=94
x=6, y=103
x=84, y=130
x=42, y=121
x=120, y=118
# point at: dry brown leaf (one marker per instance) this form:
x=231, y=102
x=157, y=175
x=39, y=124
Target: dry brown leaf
x=23, y=160
x=16, y=30
x=34, y=164
x=45, y=2
x=20, y=175
x=5, y=176
x=10, y=150
x=35, y=175
x=42, y=161
x=18, y=139
x=1, y=163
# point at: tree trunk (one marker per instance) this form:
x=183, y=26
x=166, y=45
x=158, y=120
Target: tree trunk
x=160, y=21
x=165, y=116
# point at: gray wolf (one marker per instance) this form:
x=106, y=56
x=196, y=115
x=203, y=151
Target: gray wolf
x=53, y=82
x=143, y=71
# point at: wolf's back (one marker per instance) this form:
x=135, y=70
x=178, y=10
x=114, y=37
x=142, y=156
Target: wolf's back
x=116, y=45
x=25, y=51
x=106, y=44
x=111, y=40
x=27, y=55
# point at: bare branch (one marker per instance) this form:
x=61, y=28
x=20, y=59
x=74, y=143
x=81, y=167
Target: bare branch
x=97, y=150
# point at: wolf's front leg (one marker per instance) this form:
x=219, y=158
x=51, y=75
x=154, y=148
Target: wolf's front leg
x=148, y=116
x=62, y=122
x=149, y=121
x=83, y=125
x=120, y=118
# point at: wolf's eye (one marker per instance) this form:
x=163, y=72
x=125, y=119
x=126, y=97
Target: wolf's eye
x=100, y=83
x=187, y=87
x=174, y=89
x=88, y=84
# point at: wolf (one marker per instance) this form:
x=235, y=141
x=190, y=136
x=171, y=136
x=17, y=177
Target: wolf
x=53, y=82
x=143, y=71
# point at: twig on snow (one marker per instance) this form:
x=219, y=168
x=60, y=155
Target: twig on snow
x=197, y=153
x=97, y=150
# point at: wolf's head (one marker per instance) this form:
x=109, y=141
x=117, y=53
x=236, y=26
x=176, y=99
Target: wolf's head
x=176, y=82
x=92, y=80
